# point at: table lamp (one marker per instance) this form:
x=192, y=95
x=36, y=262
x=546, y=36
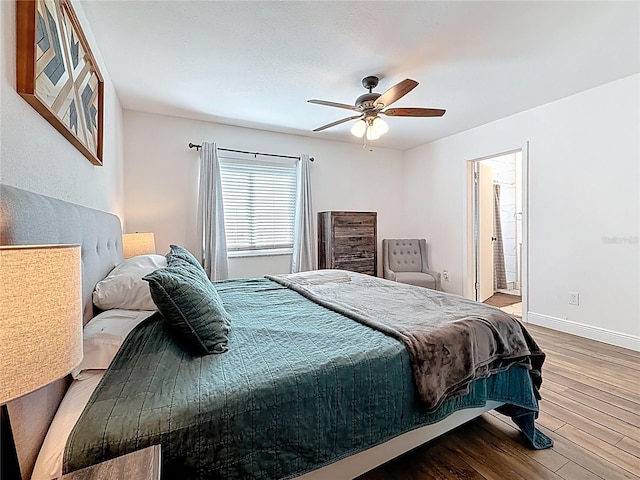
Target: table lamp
x=40, y=325
x=138, y=244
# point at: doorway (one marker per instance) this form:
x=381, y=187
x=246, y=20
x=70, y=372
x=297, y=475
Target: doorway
x=496, y=231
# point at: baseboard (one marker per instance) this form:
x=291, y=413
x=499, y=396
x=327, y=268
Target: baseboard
x=611, y=337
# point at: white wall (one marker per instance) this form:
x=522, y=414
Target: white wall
x=35, y=156
x=161, y=180
x=584, y=206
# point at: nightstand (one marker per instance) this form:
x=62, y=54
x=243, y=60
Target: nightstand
x=140, y=465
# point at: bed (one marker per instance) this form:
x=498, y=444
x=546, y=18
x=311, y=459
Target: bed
x=306, y=389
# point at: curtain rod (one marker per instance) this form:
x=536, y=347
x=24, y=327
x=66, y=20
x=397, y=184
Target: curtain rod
x=255, y=154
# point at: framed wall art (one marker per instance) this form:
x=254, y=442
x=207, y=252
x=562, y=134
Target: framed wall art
x=57, y=73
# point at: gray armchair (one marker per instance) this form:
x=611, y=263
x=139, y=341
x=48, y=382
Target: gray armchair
x=405, y=261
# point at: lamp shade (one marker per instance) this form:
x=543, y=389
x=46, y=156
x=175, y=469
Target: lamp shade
x=138, y=244
x=372, y=134
x=379, y=126
x=40, y=316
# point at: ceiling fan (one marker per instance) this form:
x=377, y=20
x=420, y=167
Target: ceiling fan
x=370, y=105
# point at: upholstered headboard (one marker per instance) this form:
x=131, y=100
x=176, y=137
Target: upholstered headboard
x=27, y=218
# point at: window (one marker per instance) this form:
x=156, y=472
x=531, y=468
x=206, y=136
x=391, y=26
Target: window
x=259, y=205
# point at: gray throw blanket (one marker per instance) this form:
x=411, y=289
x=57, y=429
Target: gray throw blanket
x=451, y=340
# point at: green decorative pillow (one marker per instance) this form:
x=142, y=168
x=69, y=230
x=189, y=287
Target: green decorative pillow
x=190, y=304
x=180, y=255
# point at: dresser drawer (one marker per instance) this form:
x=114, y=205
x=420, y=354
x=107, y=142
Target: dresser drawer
x=353, y=221
x=362, y=265
x=359, y=255
x=347, y=244
x=341, y=253
x=353, y=231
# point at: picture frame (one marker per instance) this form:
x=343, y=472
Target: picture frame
x=57, y=74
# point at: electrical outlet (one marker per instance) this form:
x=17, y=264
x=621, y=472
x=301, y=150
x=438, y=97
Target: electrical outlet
x=445, y=275
x=574, y=298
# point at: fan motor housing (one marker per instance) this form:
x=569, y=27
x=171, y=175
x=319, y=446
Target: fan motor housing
x=366, y=100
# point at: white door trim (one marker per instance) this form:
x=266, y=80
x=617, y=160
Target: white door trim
x=524, y=287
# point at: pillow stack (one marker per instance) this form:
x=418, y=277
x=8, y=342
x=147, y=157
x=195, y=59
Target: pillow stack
x=123, y=288
x=189, y=302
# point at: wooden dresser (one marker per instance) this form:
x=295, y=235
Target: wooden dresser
x=348, y=241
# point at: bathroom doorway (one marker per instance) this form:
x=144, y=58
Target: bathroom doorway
x=497, y=230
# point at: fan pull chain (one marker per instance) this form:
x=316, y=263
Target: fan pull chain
x=364, y=143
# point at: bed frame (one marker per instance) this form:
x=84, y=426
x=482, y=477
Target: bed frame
x=30, y=218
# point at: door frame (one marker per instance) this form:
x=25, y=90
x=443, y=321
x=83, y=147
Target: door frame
x=469, y=256
x=483, y=251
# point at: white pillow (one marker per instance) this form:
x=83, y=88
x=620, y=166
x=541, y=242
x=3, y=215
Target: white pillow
x=49, y=463
x=103, y=336
x=124, y=287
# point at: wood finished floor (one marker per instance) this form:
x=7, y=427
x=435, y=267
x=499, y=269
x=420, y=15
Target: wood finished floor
x=590, y=408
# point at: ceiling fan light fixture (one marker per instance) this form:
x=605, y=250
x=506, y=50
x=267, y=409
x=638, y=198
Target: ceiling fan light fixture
x=371, y=134
x=379, y=126
x=359, y=128
x=371, y=105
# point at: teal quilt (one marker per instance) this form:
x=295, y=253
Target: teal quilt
x=300, y=387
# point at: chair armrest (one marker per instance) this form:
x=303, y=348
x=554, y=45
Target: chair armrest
x=389, y=274
x=435, y=275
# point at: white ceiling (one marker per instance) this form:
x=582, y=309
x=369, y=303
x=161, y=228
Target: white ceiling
x=256, y=63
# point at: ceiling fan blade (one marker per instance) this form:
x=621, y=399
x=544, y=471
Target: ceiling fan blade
x=396, y=92
x=334, y=104
x=414, y=112
x=338, y=122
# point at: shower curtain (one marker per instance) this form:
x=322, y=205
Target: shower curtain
x=499, y=273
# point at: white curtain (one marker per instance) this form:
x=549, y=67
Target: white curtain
x=303, y=258
x=214, y=239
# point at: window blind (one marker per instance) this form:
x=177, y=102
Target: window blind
x=259, y=204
